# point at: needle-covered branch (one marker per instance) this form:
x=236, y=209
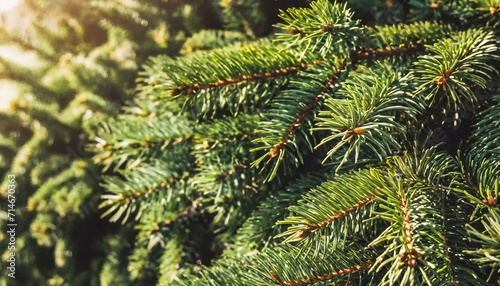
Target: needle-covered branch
x=364, y=115
x=455, y=67
x=128, y=142
x=227, y=80
x=325, y=27
x=353, y=111
x=149, y=186
x=285, y=130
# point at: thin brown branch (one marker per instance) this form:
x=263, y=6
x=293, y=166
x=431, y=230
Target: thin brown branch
x=343, y=213
x=355, y=56
x=385, y=52
x=441, y=81
x=298, y=122
x=305, y=232
x=190, y=89
x=319, y=278
x=409, y=258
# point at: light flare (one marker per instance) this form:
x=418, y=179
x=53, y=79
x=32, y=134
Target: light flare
x=6, y=5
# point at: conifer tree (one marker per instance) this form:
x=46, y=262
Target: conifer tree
x=358, y=146
x=82, y=60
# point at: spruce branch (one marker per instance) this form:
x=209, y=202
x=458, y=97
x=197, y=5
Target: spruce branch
x=486, y=134
x=258, y=231
x=232, y=272
x=226, y=79
x=286, y=126
x=226, y=181
x=454, y=67
x=419, y=33
x=369, y=53
x=488, y=255
x=171, y=261
x=142, y=265
x=480, y=164
x=162, y=185
x=281, y=267
x=127, y=143
x=224, y=177
x=362, y=116
x=420, y=211
x=480, y=12
x=429, y=9
x=325, y=27
x=336, y=214
x=30, y=150
x=228, y=129
x=244, y=15
x=383, y=210
x=68, y=188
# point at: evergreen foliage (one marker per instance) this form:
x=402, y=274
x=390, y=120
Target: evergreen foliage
x=73, y=66
x=358, y=145
x=348, y=150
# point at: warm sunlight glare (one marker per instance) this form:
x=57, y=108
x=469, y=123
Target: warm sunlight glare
x=8, y=93
x=8, y=4
x=8, y=89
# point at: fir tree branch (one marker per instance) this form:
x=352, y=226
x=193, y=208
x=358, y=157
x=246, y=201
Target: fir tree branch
x=124, y=143
x=171, y=260
x=187, y=212
x=283, y=268
x=325, y=27
x=362, y=116
x=479, y=12
x=223, y=178
x=488, y=255
x=191, y=89
x=244, y=15
x=282, y=132
x=225, y=130
x=211, y=39
x=200, y=80
x=400, y=220
x=279, y=266
x=143, y=188
x=323, y=213
x=257, y=232
x=298, y=122
x=454, y=67
x=320, y=278
x=158, y=225
x=480, y=168
x=415, y=34
x=417, y=237
x=389, y=51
